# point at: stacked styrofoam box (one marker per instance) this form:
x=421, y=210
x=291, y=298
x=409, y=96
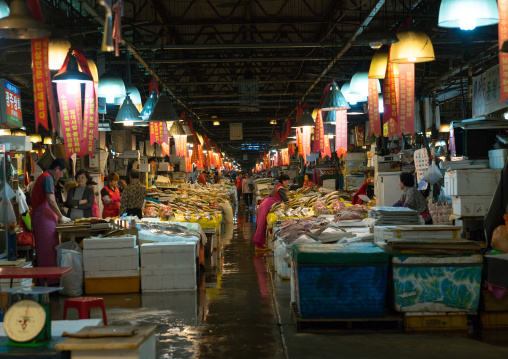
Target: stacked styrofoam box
x=472, y=190
x=497, y=158
x=168, y=266
x=110, y=257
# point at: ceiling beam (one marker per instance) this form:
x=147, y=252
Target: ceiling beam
x=377, y=6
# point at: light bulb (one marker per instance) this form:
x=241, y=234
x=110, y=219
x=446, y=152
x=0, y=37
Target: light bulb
x=330, y=136
x=411, y=59
x=375, y=45
x=468, y=23
x=128, y=123
x=73, y=87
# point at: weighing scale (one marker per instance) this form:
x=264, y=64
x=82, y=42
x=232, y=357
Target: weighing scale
x=27, y=322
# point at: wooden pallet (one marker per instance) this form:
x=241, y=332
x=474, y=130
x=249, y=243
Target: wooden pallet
x=392, y=323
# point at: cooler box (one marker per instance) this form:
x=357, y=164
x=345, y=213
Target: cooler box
x=335, y=281
x=436, y=283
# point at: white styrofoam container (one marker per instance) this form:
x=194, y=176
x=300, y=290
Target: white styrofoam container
x=18, y=282
x=125, y=241
x=112, y=273
x=329, y=183
x=95, y=260
x=497, y=158
x=163, y=166
x=471, y=206
x=354, y=181
x=144, y=167
x=472, y=182
x=168, y=279
x=168, y=255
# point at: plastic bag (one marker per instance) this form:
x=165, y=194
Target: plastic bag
x=69, y=254
x=500, y=236
x=433, y=174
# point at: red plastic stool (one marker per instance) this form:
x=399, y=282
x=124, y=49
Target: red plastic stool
x=83, y=305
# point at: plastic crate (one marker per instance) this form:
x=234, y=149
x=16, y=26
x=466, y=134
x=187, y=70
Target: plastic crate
x=494, y=320
x=341, y=291
x=445, y=322
x=109, y=285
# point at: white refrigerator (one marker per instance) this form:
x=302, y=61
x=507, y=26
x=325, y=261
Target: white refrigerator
x=386, y=188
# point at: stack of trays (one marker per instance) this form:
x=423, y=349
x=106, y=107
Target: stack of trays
x=111, y=264
x=392, y=216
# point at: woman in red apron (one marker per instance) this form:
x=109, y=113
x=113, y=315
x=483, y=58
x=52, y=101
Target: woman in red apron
x=46, y=215
x=110, y=195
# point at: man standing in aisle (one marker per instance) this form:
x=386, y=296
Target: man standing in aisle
x=133, y=197
x=46, y=215
x=239, y=181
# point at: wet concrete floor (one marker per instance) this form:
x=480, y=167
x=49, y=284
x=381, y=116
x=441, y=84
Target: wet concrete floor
x=241, y=310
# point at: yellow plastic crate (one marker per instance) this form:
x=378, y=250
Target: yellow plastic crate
x=489, y=303
x=108, y=285
x=445, y=322
x=493, y=320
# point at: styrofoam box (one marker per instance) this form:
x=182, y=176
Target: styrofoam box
x=144, y=167
x=163, y=166
x=471, y=182
x=168, y=279
x=118, y=259
x=497, y=158
x=355, y=156
x=168, y=255
x=125, y=241
x=471, y=206
x=18, y=282
x=113, y=273
x=329, y=183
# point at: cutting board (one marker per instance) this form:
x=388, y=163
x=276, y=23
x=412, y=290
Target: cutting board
x=108, y=343
x=101, y=332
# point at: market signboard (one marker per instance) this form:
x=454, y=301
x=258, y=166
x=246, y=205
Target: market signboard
x=10, y=106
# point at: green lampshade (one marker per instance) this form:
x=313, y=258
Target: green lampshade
x=128, y=113
x=147, y=110
x=334, y=99
x=305, y=120
x=275, y=143
x=163, y=111
x=468, y=14
x=111, y=86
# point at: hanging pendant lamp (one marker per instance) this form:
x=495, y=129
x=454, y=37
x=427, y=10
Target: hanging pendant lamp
x=305, y=120
x=177, y=130
x=468, y=14
x=128, y=113
x=275, y=143
x=149, y=105
x=57, y=52
x=376, y=37
x=163, y=111
x=378, y=64
x=72, y=76
x=4, y=9
x=334, y=99
x=413, y=46
x=135, y=96
x=20, y=25
x=359, y=85
x=352, y=99
x=111, y=86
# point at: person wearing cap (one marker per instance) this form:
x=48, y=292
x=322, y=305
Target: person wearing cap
x=95, y=207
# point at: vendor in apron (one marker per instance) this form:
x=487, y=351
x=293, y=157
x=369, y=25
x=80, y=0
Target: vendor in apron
x=412, y=198
x=110, y=195
x=46, y=215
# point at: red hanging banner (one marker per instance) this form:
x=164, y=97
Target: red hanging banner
x=318, y=134
x=299, y=142
x=325, y=151
x=306, y=142
x=374, y=117
x=181, y=146
x=165, y=149
x=89, y=120
x=157, y=132
x=390, y=101
x=341, y=132
x=39, y=74
x=188, y=165
x=503, y=56
x=291, y=149
x=407, y=98
x=70, y=124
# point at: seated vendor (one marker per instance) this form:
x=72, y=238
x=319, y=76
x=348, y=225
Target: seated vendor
x=307, y=182
x=412, y=198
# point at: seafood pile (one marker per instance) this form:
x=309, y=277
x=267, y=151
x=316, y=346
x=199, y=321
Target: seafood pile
x=156, y=210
